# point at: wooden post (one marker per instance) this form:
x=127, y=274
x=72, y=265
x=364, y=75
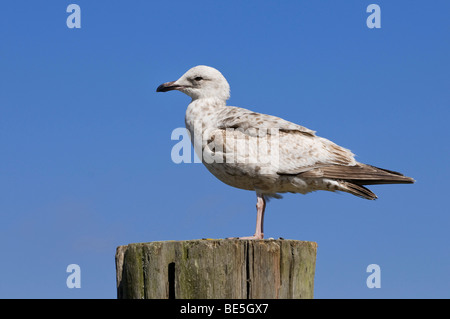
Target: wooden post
x=218, y=268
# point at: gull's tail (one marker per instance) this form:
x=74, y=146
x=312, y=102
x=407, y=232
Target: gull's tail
x=352, y=178
x=357, y=190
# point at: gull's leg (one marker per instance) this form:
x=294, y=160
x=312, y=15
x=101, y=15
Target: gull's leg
x=260, y=208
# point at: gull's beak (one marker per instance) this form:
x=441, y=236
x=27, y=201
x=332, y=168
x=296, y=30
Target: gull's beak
x=168, y=86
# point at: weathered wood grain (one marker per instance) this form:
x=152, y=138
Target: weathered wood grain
x=219, y=268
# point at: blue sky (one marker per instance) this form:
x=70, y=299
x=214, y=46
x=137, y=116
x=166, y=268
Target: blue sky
x=85, y=142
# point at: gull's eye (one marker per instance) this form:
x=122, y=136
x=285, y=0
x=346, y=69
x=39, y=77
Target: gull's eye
x=198, y=78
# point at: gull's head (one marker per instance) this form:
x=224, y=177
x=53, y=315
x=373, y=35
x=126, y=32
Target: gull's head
x=200, y=82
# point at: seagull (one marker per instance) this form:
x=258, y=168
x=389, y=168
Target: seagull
x=265, y=153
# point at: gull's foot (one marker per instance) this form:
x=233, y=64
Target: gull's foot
x=255, y=236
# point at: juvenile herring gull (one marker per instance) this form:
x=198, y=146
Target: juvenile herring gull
x=264, y=153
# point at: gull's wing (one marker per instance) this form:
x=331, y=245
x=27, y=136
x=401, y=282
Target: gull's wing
x=240, y=118
x=300, y=150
